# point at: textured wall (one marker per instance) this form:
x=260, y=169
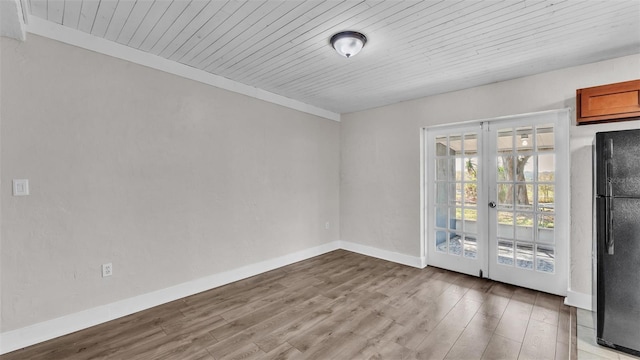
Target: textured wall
x=169, y=179
x=380, y=151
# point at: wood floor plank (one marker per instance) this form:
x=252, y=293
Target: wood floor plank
x=327, y=328
x=242, y=289
x=130, y=340
x=418, y=291
x=360, y=282
x=564, y=325
x=385, y=350
x=484, y=320
x=221, y=304
x=427, y=316
x=284, y=295
x=439, y=341
x=515, y=320
x=337, y=345
x=299, y=326
x=518, y=310
x=549, y=316
x=562, y=351
x=195, y=326
x=263, y=329
x=247, y=352
x=388, y=277
x=500, y=347
x=340, y=305
x=262, y=314
x=238, y=288
x=512, y=328
x=324, y=265
x=284, y=351
x=178, y=345
x=502, y=289
x=372, y=325
x=340, y=286
x=471, y=344
x=186, y=352
x=396, y=283
x=538, y=341
x=405, y=336
x=525, y=295
x=494, y=305
x=125, y=332
x=462, y=312
x=231, y=345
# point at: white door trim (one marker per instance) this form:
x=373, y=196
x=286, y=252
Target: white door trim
x=561, y=120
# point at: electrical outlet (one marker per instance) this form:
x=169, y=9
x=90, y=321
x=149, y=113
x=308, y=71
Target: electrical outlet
x=107, y=270
x=327, y=225
x=20, y=187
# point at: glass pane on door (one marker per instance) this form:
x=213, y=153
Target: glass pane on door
x=525, y=183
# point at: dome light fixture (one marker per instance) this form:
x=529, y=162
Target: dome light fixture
x=348, y=43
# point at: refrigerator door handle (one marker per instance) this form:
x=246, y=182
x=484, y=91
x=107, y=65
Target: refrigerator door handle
x=608, y=167
x=609, y=240
x=607, y=171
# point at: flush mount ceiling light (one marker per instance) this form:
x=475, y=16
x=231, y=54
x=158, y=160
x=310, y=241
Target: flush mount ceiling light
x=524, y=139
x=348, y=43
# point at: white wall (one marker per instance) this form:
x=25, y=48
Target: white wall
x=380, y=152
x=169, y=179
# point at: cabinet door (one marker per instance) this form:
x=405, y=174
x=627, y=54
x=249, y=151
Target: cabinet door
x=608, y=102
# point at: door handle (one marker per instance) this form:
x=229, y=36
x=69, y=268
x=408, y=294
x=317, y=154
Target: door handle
x=608, y=167
x=492, y=204
x=609, y=241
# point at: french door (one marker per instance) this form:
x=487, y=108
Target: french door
x=455, y=217
x=496, y=199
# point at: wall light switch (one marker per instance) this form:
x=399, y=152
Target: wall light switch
x=20, y=187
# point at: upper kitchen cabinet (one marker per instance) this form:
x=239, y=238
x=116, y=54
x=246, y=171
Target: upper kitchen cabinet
x=613, y=102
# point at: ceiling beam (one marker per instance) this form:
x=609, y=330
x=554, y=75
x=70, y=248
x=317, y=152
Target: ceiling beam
x=12, y=23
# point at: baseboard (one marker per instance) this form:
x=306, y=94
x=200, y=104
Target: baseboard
x=579, y=300
x=50, y=329
x=399, y=258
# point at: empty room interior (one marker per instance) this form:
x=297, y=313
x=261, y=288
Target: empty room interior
x=311, y=179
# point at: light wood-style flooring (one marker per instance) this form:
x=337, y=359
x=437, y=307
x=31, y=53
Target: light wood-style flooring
x=339, y=305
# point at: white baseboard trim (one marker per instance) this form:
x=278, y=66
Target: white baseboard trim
x=50, y=329
x=404, y=259
x=579, y=300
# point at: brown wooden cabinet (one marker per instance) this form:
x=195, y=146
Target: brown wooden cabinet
x=613, y=102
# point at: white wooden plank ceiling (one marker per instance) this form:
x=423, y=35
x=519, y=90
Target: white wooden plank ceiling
x=415, y=48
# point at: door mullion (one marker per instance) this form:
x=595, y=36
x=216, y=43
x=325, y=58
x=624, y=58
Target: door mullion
x=488, y=195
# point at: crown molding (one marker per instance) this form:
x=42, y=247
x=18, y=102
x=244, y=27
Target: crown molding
x=83, y=40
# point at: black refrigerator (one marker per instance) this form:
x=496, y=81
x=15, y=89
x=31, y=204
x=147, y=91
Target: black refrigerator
x=616, y=161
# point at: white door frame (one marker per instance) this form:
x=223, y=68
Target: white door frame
x=561, y=120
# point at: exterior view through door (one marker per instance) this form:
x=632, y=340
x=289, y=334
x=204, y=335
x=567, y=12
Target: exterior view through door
x=496, y=199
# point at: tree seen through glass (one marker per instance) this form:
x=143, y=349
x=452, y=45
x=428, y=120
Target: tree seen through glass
x=511, y=171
